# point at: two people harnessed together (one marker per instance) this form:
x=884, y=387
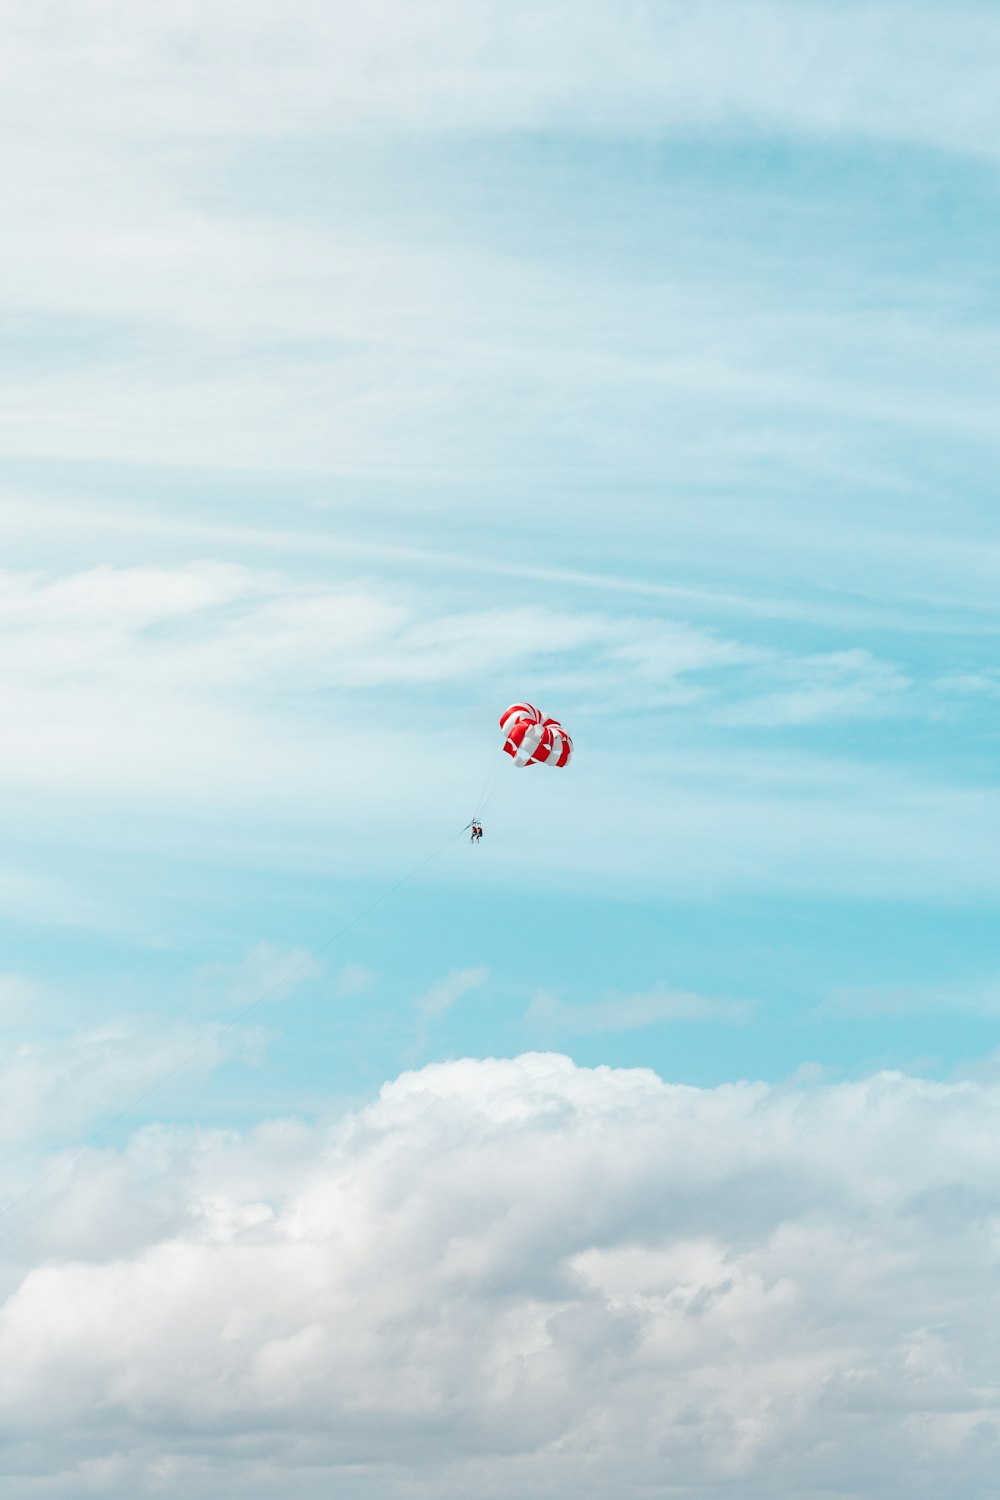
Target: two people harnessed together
x=477, y=831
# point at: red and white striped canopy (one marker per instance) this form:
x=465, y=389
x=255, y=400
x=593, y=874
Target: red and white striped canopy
x=531, y=739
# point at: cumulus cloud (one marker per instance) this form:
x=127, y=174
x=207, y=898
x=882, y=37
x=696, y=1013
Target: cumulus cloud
x=524, y=1277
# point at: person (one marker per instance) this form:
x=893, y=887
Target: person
x=477, y=832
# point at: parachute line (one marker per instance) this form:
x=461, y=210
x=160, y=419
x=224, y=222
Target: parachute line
x=494, y=763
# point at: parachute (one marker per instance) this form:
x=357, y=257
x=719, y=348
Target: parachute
x=531, y=740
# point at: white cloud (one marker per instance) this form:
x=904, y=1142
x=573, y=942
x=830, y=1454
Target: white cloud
x=31, y=898
x=550, y=1016
x=527, y=1278
x=61, y=1083
x=265, y=972
x=836, y=685
x=19, y=997
x=976, y=997
x=229, y=68
x=232, y=709
x=354, y=979
x=450, y=990
x=985, y=684
x=216, y=688
x=192, y=638
x=195, y=329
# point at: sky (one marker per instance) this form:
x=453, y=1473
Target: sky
x=365, y=368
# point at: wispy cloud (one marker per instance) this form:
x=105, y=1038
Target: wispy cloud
x=883, y=70
x=28, y=897
x=265, y=971
x=59, y=1086
x=20, y=998
x=972, y=998
x=977, y=684
x=206, y=690
x=548, y=1015
x=450, y=990
x=838, y=685
x=354, y=979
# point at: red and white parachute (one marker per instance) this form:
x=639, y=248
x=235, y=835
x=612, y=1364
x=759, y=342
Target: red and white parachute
x=530, y=739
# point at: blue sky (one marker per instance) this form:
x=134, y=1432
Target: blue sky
x=365, y=371
x=705, y=414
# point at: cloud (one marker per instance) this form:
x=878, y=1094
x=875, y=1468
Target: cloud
x=450, y=990
x=984, y=684
x=354, y=979
x=48, y=900
x=102, y=656
x=171, y=322
x=548, y=1015
x=847, y=684
x=974, y=998
x=60, y=1084
x=228, y=707
x=526, y=1277
x=216, y=688
x=265, y=972
x=19, y=997
x=199, y=630
x=433, y=65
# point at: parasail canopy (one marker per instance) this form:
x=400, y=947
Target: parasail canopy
x=530, y=739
